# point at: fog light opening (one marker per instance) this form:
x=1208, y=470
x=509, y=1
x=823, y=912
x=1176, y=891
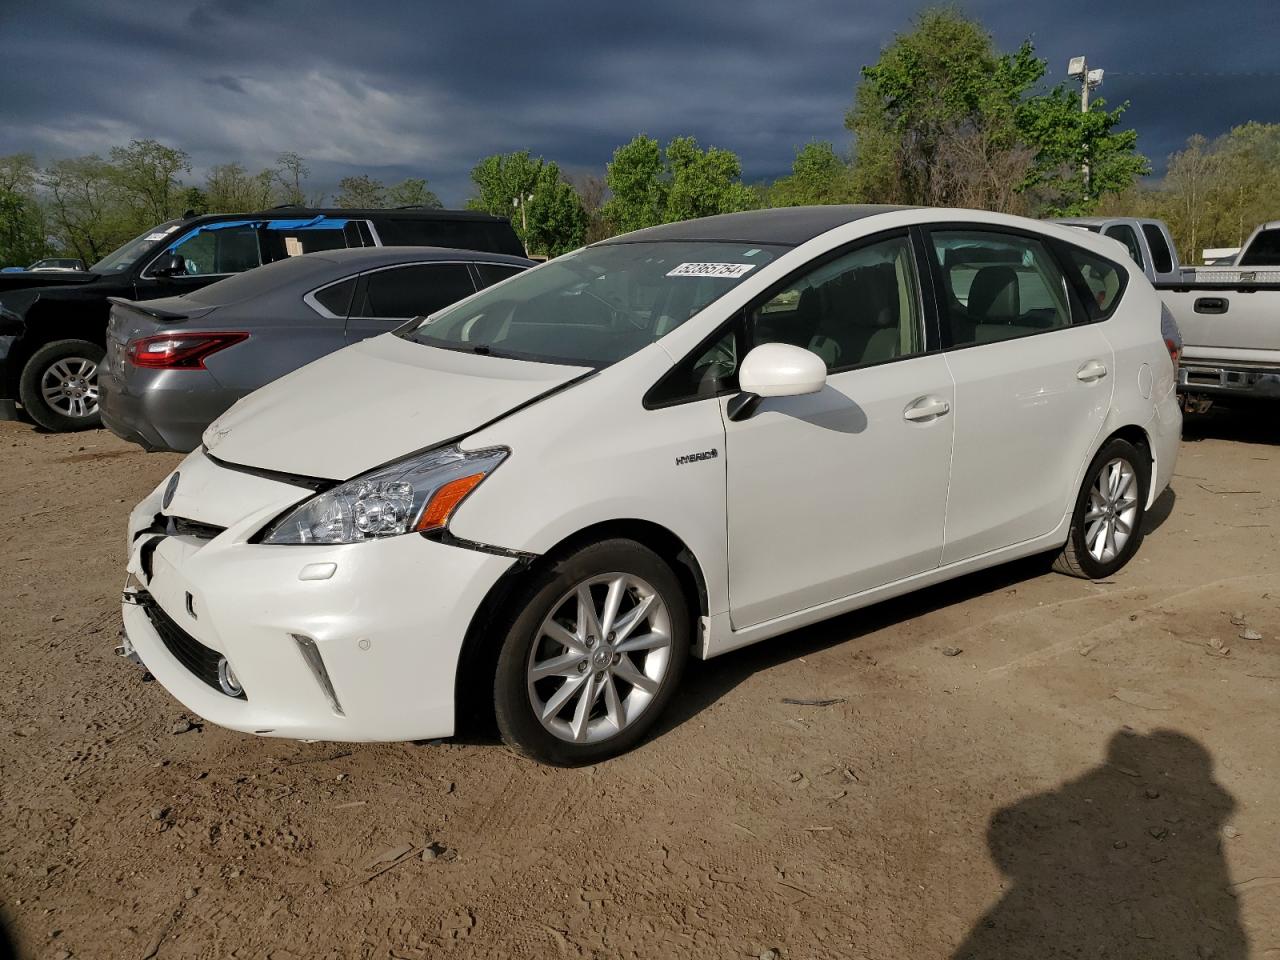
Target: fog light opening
x=227, y=679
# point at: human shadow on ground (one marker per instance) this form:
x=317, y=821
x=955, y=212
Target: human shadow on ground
x=1122, y=862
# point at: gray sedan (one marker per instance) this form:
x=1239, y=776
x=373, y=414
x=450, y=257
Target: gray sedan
x=174, y=365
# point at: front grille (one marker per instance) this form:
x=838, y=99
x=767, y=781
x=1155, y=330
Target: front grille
x=186, y=649
x=181, y=527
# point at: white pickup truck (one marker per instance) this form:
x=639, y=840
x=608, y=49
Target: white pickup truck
x=1229, y=316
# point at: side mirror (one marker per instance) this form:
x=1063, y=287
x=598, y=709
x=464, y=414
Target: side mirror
x=776, y=370
x=174, y=265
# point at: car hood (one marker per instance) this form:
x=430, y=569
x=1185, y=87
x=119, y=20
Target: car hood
x=373, y=402
x=28, y=279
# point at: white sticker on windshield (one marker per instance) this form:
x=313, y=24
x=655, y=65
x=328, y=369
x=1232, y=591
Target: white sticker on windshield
x=156, y=236
x=729, y=270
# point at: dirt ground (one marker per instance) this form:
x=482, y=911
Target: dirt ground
x=1096, y=773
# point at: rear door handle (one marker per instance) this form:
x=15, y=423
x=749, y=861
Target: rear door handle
x=1093, y=370
x=1211, y=304
x=926, y=408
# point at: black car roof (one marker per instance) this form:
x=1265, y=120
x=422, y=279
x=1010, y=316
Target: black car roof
x=397, y=213
x=788, y=226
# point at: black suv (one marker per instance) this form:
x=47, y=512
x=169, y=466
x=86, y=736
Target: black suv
x=53, y=325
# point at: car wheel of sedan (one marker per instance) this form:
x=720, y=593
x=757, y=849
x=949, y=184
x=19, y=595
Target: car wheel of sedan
x=1106, y=526
x=59, y=385
x=593, y=655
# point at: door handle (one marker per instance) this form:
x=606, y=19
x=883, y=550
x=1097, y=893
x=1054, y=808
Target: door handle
x=1211, y=304
x=1093, y=370
x=926, y=408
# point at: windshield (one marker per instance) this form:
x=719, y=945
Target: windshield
x=122, y=258
x=596, y=306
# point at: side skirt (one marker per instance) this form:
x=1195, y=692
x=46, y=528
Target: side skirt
x=720, y=637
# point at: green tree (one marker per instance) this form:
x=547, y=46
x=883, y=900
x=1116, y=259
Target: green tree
x=229, y=188
x=651, y=186
x=704, y=182
x=636, y=180
x=412, y=192
x=85, y=212
x=22, y=234
x=944, y=119
x=147, y=173
x=544, y=208
x=1064, y=139
x=361, y=191
x=818, y=175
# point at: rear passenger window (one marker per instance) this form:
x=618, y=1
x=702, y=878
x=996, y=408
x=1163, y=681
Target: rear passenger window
x=996, y=287
x=401, y=293
x=1161, y=257
x=491, y=273
x=1102, y=280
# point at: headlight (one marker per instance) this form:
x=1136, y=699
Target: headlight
x=417, y=495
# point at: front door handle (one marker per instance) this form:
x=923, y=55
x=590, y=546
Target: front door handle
x=926, y=408
x=1093, y=370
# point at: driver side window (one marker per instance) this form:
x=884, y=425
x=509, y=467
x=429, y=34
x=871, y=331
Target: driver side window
x=858, y=309
x=214, y=252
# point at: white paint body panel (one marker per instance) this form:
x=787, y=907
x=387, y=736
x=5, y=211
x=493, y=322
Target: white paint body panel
x=1005, y=492
x=835, y=493
x=814, y=506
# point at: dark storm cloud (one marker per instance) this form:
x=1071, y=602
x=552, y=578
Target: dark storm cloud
x=426, y=89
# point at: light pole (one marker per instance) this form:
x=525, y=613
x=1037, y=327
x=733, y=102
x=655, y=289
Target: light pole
x=519, y=204
x=1078, y=69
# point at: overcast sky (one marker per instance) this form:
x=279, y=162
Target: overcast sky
x=427, y=88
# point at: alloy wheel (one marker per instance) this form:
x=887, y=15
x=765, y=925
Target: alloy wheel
x=70, y=386
x=599, y=658
x=1112, y=512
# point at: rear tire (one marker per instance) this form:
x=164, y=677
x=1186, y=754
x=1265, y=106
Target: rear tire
x=1106, y=525
x=593, y=652
x=59, y=385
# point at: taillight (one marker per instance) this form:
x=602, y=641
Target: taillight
x=1174, y=353
x=179, y=351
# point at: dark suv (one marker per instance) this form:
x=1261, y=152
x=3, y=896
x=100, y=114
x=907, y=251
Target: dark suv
x=53, y=326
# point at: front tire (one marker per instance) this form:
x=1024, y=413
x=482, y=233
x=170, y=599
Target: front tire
x=1106, y=525
x=59, y=385
x=594, y=651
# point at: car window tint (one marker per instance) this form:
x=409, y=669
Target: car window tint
x=1125, y=234
x=997, y=286
x=1103, y=279
x=858, y=309
x=491, y=273
x=293, y=242
x=487, y=235
x=1264, y=251
x=336, y=297
x=229, y=250
x=417, y=290
x=1161, y=257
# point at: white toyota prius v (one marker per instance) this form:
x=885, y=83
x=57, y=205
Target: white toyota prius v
x=535, y=505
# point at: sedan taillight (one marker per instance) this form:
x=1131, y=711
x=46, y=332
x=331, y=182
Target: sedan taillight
x=175, y=351
x=1174, y=353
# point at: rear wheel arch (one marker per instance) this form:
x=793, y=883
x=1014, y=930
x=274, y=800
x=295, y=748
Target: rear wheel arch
x=1140, y=439
x=473, y=702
